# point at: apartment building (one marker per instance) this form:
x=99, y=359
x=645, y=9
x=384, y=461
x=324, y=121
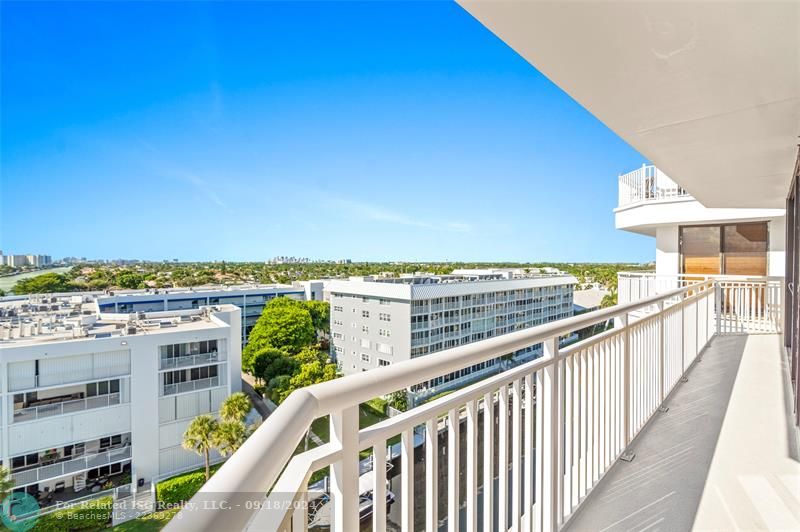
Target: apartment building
x=90, y=399
x=249, y=298
x=378, y=321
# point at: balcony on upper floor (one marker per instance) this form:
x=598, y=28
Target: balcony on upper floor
x=648, y=184
x=564, y=429
x=649, y=199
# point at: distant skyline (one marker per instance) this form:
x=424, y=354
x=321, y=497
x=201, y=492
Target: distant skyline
x=240, y=131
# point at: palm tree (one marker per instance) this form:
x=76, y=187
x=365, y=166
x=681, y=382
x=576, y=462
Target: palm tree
x=235, y=407
x=199, y=438
x=229, y=436
x=6, y=483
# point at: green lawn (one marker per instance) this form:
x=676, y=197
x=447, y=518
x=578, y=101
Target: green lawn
x=147, y=523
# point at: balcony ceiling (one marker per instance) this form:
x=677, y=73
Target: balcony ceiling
x=708, y=91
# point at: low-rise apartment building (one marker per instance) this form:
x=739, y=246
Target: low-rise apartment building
x=381, y=321
x=89, y=398
x=249, y=298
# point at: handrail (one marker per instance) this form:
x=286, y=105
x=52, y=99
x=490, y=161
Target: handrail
x=646, y=184
x=247, y=472
x=34, y=413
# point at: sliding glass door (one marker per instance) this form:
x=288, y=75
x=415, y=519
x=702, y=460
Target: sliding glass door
x=729, y=249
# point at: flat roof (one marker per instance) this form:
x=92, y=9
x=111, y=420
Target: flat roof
x=446, y=288
x=47, y=319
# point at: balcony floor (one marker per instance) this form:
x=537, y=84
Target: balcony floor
x=724, y=457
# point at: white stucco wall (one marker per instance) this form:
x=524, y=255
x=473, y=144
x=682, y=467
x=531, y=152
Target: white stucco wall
x=667, y=256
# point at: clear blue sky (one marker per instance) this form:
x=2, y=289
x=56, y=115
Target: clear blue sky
x=373, y=131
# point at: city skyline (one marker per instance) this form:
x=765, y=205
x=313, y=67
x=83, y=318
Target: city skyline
x=402, y=132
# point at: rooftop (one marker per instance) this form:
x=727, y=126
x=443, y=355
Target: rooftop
x=425, y=285
x=61, y=318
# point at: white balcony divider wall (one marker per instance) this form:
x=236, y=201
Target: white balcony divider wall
x=66, y=370
x=647, y=183
x=576, y=408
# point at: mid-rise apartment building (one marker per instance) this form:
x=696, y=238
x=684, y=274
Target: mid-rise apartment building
x=249, y=298
x=381, y=321
x=90, y=398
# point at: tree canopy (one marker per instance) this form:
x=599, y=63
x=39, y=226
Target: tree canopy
x=284, y=324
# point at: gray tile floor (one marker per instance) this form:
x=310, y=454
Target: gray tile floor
x=706, y=463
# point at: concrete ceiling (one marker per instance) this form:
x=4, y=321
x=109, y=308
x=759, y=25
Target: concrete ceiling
x=708, y=91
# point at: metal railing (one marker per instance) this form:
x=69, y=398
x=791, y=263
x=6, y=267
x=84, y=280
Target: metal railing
x=190, y=386
x=647, y=183
x=190, y=360
x=562, y=421
x=67, y=467
x=33, y=413
x=745, y=304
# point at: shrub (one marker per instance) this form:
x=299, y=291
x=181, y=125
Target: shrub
x=181, y=488
x=91, y=515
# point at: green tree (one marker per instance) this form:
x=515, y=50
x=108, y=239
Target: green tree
x=229, y=436
x=129, y=280
x=609, y=300
x=282, y=325
x=310, y=373
x=235, y=408
x=42, y=284
x=320, y=315
x=6, y=483
x=270, y=362
x=199, y=437
x=399, y=400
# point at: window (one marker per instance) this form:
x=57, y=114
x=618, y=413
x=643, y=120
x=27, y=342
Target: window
x=385, y=332
x=102, y=388
x=365, y=314
x=338, y=349
x=382, y=362
x=384, y=302
x=337, y=308
x=365, y=328
x=338, y=336
x=384, y=317
x=731, y=249
x=364, y=357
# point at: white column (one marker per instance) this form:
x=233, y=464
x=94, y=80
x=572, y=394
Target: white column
x=344, y=473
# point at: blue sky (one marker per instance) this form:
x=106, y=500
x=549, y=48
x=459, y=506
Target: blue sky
x=373, y=131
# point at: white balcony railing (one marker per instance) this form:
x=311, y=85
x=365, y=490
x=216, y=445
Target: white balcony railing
x=66, y=407
x=191, y=386
x=747, y=304
x=67, y=467
x=561, y=422
x=191, y=360
x=647, y=183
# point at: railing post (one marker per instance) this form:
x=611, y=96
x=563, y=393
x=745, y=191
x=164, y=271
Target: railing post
x=660, y=348
x=626, y=387
x=553, y=455
x=718, y=306
x=344, y=473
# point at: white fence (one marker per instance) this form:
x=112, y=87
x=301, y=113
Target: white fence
x=562, y=421
x=67, y=467
x=744, y=304
x=65, y=407
x=647, y=183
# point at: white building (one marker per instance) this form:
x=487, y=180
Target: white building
x=250, y=298
x=694, y=239
x=380, y=321
x=89, y=397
